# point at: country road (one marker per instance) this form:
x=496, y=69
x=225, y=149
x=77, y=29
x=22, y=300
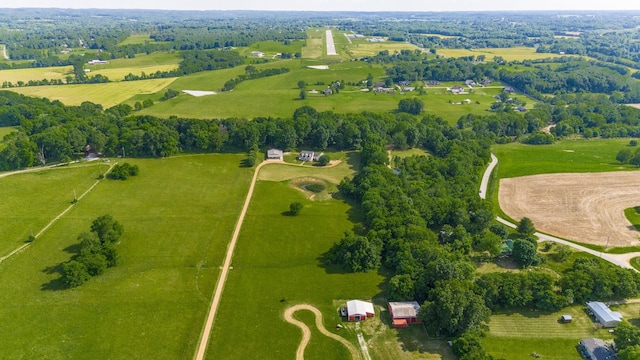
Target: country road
x=622, y=260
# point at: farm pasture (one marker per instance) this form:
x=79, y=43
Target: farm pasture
x=178, y=215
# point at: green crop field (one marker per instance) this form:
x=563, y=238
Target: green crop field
x=508, y=54
x=518, y=335
x=594, y=155
x=107, y=94
x=178, y=216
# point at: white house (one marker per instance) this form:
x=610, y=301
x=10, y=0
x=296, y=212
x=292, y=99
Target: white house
x=257, y=54
x=306, y=155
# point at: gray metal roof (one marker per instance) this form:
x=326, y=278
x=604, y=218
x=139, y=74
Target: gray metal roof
x=603, y=313
x=404, y=309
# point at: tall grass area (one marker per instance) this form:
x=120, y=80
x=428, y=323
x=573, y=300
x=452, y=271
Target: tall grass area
x=178, y=215
x=566, y=156
x=278, y=263
x=31, y=200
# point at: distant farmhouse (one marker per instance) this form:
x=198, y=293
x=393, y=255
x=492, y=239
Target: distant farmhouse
x=257, y=54
x=359, y=310
x=509, y=89
x=275, y=154
x=457, y=90
x=404, y=313
x=604, y=315
x=309, y=156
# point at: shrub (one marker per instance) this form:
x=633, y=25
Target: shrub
x=316, y=188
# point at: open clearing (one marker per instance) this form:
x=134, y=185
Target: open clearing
x=107, y=95
x=587, y=207
x=152, y=305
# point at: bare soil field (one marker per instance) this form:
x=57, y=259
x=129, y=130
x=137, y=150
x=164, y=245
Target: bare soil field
x=637, y=106
x=586, y=207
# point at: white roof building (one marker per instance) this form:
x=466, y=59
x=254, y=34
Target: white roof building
x=358, y=310
x=604, y=315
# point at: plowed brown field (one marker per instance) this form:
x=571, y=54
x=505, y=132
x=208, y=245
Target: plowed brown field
x=587, y=207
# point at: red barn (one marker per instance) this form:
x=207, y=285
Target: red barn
x=359, y=310
x=404, y=313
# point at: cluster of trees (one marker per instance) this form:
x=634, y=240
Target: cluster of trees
x=627, y=339
x=97, y=252
x=629, y=156
x=123, y=171
x=252, y=73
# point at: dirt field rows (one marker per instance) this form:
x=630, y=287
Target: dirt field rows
x=585, y=207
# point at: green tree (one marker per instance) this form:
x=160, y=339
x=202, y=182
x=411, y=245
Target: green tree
x=74, y=274
x=356, y=253
x=624, y=155
x=107, y=229
x=454, y=308
x=302, y=95
x=412, y=106
x=489, y=242
x=525, y=228
x=95, y=263
x=302, y=84
x=627, y=336
x=324, y=160
x=524, y=252
x=401, y=288
x=630, y=353
x=294, y=208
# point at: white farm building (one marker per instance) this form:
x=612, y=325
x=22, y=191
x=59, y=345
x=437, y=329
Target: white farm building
x=604, y=315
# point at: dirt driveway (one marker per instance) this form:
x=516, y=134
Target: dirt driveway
x=587, y=207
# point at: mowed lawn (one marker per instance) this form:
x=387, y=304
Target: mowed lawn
x=278, y=263
x=518, y=335
x=107, y=94
x=593, y=155
x=31, y=200
x=178, y=215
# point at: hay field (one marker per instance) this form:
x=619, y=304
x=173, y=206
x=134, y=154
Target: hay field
x=136, y=39
x=585, y=207
x=108, y=94
x=15, y=75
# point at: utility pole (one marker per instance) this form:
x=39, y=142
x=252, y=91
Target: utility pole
x=123, y=151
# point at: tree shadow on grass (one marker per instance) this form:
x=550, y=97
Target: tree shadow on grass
x=73, y=249
x=55, y=284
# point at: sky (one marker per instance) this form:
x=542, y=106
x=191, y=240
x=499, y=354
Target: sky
x=333, y=5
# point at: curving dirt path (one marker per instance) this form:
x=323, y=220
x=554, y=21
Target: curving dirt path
x=306, y=332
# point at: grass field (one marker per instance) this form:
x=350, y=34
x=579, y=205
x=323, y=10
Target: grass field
x=15, y=75
x=50, y=192
x=315, y=46
x=153, y=304
x=136, y=39
x=633, y=216
x=108, y=94
x=508, y=54
x=278, y=96
x=516, y=335
x=594, y=155
x=271, y=48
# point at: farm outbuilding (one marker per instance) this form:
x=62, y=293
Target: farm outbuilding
x=274, y=154
x=358, y=310
x=566, y=318
x=604, y=315
x=404, y=313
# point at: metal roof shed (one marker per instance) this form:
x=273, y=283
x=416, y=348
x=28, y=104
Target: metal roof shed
x=604, y=315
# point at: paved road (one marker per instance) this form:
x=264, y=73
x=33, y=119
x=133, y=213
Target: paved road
x=331, y=46
x=622, y=260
